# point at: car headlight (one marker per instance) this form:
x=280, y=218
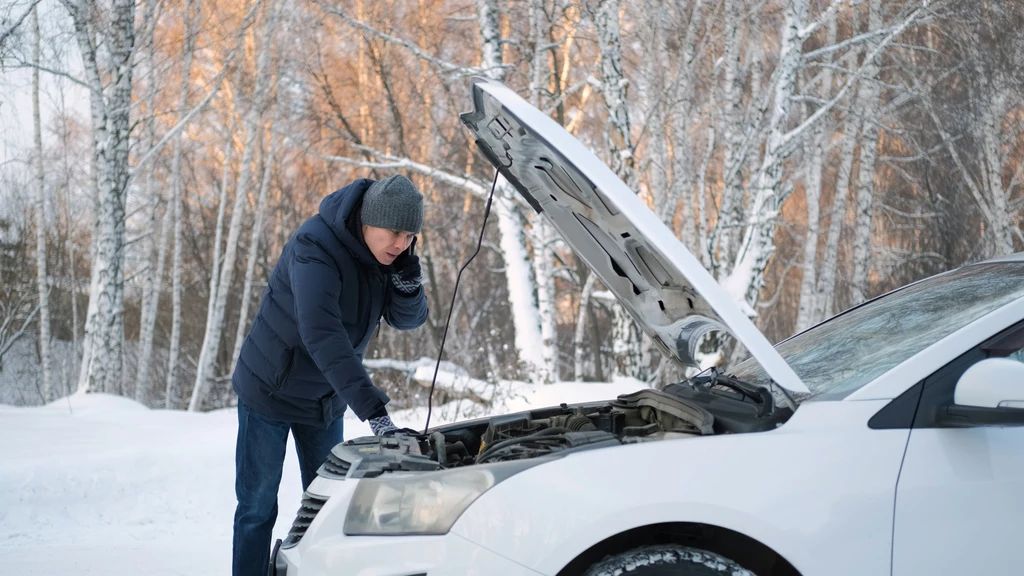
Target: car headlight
x=422, y=503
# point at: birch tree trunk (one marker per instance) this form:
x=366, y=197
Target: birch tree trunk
x=1000, y=235
x=191, y=16
x=153, y=248
x=42, y=276
x=542, y=234
x=111, y=127
x=867, y=99
x=721, y=248
x=580, y=334
x=229, y=148
x=518, y=271
x=812, y=196
x=626, y=343
x=653, y=70
x=702, y=212
x=175, y=338
x=254, y=242
x=252, y=122
x=519, y=281
x=89, y=327
x=744, y=280
x=680, y=117
x=824, y=299
x=544, y=273
x=148, y=329
x=813, y=188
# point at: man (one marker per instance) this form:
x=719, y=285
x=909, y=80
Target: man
x=301, y=364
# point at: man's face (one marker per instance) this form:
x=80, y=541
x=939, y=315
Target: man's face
x=386, y=244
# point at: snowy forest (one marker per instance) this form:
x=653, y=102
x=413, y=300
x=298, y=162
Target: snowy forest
x=156, y=156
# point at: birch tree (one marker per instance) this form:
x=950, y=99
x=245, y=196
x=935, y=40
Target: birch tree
x=154, y=250
x=42, y=273
x=867, y=103
x=254, y=243
x=190, y=14
x=229, y=147
x=744, y=280
x=721, y=248
x=252, y=127
x=543, y=236
x=518, y=269
x=681, y=115
x=7, y=30
x=619, y=142
x=110, y=107
x=995, y=104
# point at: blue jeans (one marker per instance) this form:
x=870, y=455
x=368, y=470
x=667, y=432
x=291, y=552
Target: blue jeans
x=259, y=460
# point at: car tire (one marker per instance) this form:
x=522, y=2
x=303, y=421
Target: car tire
x=667, y=560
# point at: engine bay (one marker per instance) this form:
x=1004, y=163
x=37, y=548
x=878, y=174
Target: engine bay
x=644, y=416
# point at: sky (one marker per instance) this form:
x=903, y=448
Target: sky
x=16, y=83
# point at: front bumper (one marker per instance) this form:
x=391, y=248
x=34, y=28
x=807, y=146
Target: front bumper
x=325, y=550
x=448, y=555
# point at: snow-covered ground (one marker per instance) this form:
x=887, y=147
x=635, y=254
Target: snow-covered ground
x=102, y=485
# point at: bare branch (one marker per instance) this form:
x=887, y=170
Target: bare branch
x=9, y=341
x=826, y=50
x=971, y=184
x=29, y=65
x=217, y=82
x=10, y=30
x=895, y=31
x=464, y=182
x=444, y=65
x=825, y=16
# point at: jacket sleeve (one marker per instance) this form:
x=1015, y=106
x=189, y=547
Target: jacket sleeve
x=405, y=311
x=316, y=285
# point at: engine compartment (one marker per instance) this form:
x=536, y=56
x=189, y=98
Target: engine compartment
x=644, y=416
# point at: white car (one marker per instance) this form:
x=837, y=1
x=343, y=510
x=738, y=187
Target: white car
x=887, y=440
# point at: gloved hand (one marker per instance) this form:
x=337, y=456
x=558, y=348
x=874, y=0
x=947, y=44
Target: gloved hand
x=381, y=425
x=407, y=270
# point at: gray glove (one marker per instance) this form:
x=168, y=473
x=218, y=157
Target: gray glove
x=381, y=425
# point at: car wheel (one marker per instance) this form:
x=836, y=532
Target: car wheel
x=667, y=560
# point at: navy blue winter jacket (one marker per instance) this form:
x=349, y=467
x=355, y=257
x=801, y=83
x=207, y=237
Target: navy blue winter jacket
x=302, y=359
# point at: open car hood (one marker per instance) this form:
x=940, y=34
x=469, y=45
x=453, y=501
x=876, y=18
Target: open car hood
x=662, y=285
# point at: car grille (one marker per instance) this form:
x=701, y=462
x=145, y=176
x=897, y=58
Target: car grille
x=334, y=468
x=311, y=505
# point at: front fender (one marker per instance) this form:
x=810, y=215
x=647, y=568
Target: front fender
x=819, y=491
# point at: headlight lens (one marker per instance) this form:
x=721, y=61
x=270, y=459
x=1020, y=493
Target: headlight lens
x=422, y=503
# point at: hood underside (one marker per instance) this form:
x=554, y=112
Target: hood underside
x=654, y=277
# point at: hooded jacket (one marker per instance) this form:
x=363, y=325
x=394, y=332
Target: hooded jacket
x=302, y=360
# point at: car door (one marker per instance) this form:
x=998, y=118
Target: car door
x=960, y=493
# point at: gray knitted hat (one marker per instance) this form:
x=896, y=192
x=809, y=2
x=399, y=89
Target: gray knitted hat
x=393, y=203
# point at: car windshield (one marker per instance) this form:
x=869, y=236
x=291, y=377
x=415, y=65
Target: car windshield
x=839, y=356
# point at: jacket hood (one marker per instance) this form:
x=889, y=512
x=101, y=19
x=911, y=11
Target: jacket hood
x=338, y=208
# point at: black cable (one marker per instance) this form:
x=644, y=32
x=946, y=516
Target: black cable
x=479, y=243
x=489, y=450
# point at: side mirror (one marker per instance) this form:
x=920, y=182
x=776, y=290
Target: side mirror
x=989, y=393
x=992, y=383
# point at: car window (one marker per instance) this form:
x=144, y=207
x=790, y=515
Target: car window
x=839, y=356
